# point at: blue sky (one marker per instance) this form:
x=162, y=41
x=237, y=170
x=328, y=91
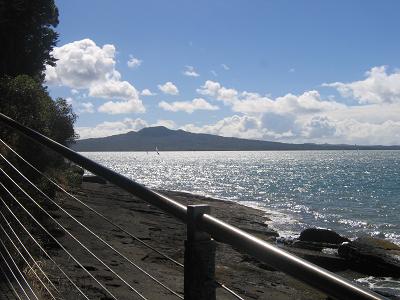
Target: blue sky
x=294, y=71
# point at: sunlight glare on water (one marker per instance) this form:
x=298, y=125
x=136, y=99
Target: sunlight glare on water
x=352, y=192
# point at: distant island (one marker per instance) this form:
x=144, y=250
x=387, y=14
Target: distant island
x=147, y=139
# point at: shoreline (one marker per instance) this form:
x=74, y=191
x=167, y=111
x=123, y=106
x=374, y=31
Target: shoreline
x=245, y=275
x=238, y=271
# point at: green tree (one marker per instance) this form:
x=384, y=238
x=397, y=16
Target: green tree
x=27, y=36
x=27, y=101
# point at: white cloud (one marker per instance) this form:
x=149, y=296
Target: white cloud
x=70, y=100
x=113, y=89
x=234, y=126
x=378, y=87
x=190, y=71
x=188, y=106
x=168, y=88
x=166, y=123
x=317, y=129
x=308, y=117
x=81, y=63
x=133, y=62
x=122, y=107
x=84, y=65
x=292, y=70
x=111, y=128
x=225, y=67
x=147, y=92
x=309, y=102
x=74, y=92
x=86, y=107
x=214, y=89
x=81, y=107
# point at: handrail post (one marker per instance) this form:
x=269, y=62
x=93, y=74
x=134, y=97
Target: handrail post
x=199, y=280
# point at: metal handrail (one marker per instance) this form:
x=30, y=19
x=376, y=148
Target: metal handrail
x=317, y=277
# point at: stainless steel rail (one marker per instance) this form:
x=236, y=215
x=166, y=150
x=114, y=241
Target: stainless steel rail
x=319, y=278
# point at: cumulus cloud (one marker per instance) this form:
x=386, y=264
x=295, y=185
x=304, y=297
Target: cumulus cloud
x=188, y=106
x=111, y=128
x=190, y=71
x=309, y=102
x=84, y=65
x=309, y=117
x=168, y=88
x=214, y=89
x=133, y=62
x=81, y=63
x=122, y=107
x=378, y=87
x=86, y=107
x=114, y=89
x=166, y=123
x=147, y=92
x=81, y=107
x=234, y=126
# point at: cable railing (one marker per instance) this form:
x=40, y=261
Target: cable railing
x=10, y=283
x=87, y=229
x=200, y=224
x=60, y=188
x=38, y=244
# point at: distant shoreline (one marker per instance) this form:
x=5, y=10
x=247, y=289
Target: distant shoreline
x=164, y=139
x=397, y=148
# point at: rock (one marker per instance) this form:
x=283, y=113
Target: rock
x=94, y=179
x=321, y=236
x=330, y=262
x=317, y=246
x=372, y=256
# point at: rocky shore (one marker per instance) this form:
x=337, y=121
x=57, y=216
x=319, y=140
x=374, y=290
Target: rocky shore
x=243, y=274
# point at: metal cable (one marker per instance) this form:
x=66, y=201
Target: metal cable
x=27, y=263
x=91, y=232
x=77, y=240
x=19, y=271
x=221, y=285
x=9, y=282
x=57, y=242
x=13, y=274
x=321, y=279
x=38, y=244
x=90, y=208
x=27, y=251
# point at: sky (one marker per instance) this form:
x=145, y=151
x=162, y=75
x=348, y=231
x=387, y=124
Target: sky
x=290, y=71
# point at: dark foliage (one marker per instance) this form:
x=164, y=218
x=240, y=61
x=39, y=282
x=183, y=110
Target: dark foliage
x=27, y=36
x=28, y=102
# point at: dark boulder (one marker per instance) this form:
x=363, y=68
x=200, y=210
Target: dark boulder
x=372, y=256
x=318, y=235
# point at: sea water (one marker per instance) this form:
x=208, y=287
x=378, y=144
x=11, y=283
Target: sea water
x=355, y=193
x=352, y=192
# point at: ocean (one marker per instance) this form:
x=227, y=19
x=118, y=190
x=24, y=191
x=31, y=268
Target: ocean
x=354, y=193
